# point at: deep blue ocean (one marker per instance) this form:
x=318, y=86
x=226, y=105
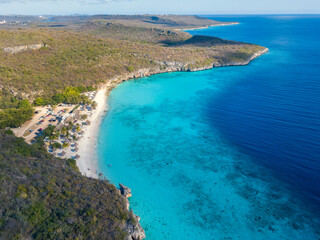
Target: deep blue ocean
x=227, y=153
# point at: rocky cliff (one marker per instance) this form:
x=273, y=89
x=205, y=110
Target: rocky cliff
x=165, y=67
x=135, y=231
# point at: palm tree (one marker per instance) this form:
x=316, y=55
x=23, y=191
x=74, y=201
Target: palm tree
x=64, y=130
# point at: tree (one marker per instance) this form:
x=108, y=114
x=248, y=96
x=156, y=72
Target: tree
x=78, y=128
x=48, y=131
x=94, y=104
x=53, y=137
x=70, y=125
x=65, y=145
x=38, y=102
x=56, y=145
x=130, y=69
x=59, y=98
x=24, y=104
x=64, y=130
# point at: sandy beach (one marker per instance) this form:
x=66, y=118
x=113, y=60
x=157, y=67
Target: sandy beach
x=205, y=27
x=87, y=162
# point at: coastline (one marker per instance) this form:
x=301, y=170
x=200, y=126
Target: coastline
x=215, y=25
x=88, y=162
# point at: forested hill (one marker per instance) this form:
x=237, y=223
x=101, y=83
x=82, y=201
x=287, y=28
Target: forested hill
x=43, y=197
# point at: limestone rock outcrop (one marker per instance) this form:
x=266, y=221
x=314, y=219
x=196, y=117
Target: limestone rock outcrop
x=135, y=231
x=17, y=49
x=125, y=191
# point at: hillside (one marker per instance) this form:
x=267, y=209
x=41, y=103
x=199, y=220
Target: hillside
x=149, y=21
x=107, y=29
x=161, y=21
x=77, y=59
x=43, y=197
x=44, y=62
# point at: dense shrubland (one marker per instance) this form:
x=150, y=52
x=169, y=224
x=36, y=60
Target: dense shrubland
x=81, y=60
x=14, y=110
x=70, y=95
x=107, y=29
x=43, y=197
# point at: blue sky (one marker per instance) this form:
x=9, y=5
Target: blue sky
x=42, y=7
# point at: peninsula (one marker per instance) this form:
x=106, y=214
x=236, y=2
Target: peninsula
x=55, y=75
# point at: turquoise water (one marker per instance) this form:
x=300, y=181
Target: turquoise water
x=190, y=179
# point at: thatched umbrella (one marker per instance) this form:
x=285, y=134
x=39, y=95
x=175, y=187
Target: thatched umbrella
x=63, y=154
x=76, y=149
x=88, y=122
x=77, y=156
x=76, y=144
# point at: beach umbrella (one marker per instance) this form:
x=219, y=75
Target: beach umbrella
x=76, y=149
x=77, y=156
x=63, y=153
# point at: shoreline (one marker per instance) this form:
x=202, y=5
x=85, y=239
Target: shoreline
x=215, y=25
x=88, y=161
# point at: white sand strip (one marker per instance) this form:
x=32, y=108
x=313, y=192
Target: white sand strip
x=88, y=163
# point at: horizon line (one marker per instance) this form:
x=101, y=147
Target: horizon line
x=124, y=14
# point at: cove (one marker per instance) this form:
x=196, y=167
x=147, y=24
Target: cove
x=194, y=151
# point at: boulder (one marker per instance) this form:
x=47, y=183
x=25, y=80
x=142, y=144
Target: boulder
x=125, y=191
x=135, y=231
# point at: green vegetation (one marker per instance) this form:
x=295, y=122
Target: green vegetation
x=158, y=21
x=65, y=145
x=56, y=145
x=73, y=164
x=81, y=60
x=74, y=62
x=13, y=111
x=43, y=197
x=107, y=29
x=48, y=131
x=70, y=95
